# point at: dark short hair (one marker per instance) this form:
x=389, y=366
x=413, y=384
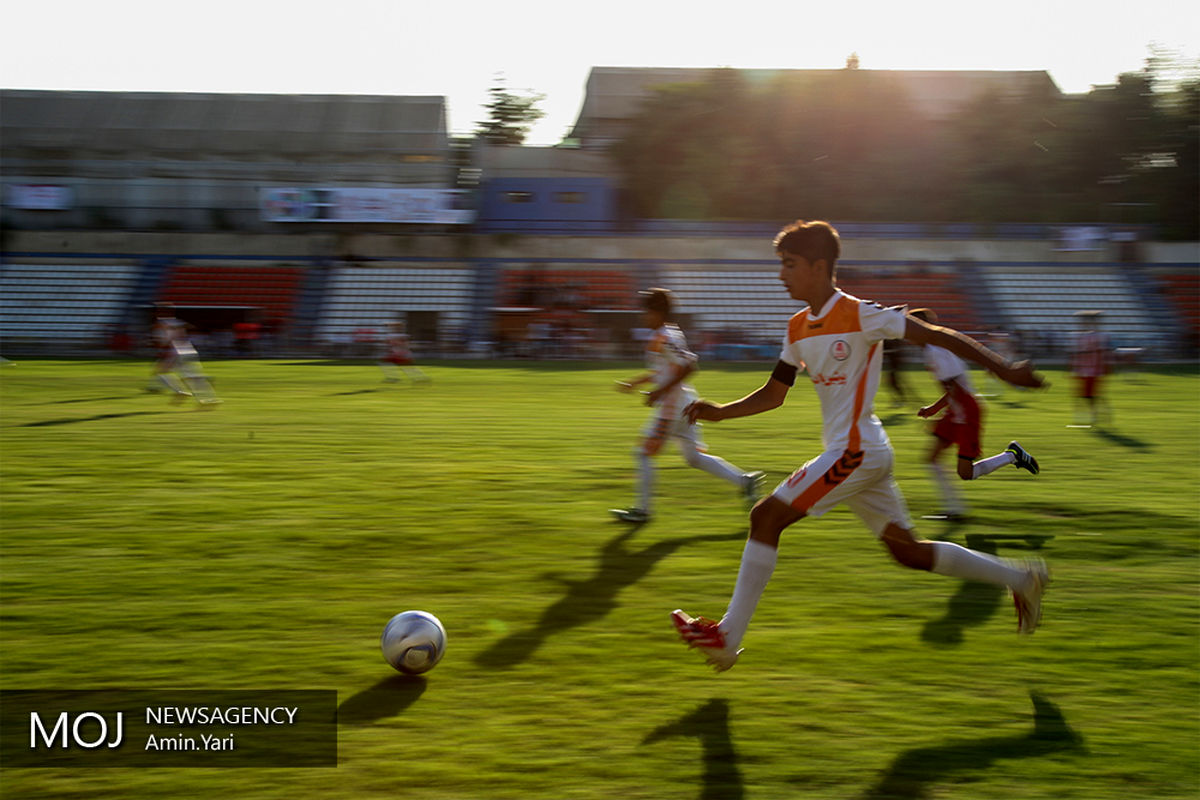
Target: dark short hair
x=812, y=241
x=660, y=300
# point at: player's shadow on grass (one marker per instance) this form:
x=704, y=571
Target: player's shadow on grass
x=385, y=699
x=588, y=600
x=709, y=723
x=912, y=773
x=1121, y=439
x=355, y=391
x=81, y=400
x=975, y=603
x=72, y=420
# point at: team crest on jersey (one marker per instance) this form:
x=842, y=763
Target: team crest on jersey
x=840, y=350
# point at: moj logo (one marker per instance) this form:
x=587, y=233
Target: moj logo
x=89, y=730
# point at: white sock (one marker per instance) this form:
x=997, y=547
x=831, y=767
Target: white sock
x=951, y=496
x=985, y=466
x=758, y=563
x=971, y=565
x=645, y=480
x=714, y=465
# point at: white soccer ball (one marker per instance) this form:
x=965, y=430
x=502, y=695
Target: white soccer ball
x=413, y=642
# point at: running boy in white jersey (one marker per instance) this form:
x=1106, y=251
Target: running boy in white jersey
x=838, y=339
x=668, y=364
x=961, y=424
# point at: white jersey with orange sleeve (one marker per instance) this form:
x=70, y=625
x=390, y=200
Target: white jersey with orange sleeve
x=666, y=353
x=841, y=351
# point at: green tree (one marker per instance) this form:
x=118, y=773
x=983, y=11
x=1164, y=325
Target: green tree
x=510, y=115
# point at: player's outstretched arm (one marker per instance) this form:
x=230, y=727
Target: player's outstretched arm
x=768, y=396
x=1018, y=373
x=930, y=410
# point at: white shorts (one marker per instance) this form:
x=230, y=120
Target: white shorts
x=666, y=423
x=862, y=481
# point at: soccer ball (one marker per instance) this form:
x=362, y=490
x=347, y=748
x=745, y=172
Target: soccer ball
x=413, y=642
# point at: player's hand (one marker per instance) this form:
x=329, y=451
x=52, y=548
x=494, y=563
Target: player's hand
x=925, y=412
x=1021, y=373
x=624, y=386
x=701, y=409
x=653, y=396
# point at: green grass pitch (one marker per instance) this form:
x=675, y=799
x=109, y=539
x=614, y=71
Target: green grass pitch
x=264, y=544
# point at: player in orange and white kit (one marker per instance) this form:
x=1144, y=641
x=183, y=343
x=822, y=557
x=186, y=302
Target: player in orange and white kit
x=837, y=339
x=961, y=424
x=669, y=363
x=398, y=356
x=1089, y=365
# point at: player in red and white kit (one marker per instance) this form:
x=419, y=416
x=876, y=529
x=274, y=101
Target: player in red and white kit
x=166, y=330
x=837, y=339
x=668, y=364
x=1089, y=365
x=961, y=425
x=397, y=356
x=177, y=354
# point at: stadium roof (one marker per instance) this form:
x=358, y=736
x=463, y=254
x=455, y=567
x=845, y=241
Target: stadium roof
x=220, y=124
x=615, y=94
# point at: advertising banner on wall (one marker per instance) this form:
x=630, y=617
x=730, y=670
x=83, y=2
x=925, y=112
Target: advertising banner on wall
x=426, y=206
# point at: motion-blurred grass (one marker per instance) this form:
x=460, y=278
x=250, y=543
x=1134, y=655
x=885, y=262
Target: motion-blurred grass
x=264, y=544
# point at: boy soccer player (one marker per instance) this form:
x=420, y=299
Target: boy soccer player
x=167, y=329
x=398, y=356
x=668, y=363
x=961, y=425
x=1089, y=365
x=837, y=339
x=178, y=355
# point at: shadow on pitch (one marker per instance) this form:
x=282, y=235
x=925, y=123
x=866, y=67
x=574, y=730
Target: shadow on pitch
x=72, y=420
x=975, y=603
x=709, y=724
x=587, y=600
x=387, y=698
x=913, y=772
x=1112, y=437
x=81, y=400
x=356, y=391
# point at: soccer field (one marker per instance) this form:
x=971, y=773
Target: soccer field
x=264, y=545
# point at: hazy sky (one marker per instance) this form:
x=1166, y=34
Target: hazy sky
x=456, y=48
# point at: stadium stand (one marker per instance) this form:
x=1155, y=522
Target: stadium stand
x=63, y=306
x=578, y=288
x=273, y=290
x=1043, y=299
x=750, y=301
x=370, y=298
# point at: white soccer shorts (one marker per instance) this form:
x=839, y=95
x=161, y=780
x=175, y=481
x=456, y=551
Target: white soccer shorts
x=861, y=480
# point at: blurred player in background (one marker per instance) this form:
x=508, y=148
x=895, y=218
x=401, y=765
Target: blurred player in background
x=668, y=364
x=177, y=355
x=163, y=335
x=961, y=424
x=397, y=356
x=893, y=363
x=1089, y=365
x=836, y=339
